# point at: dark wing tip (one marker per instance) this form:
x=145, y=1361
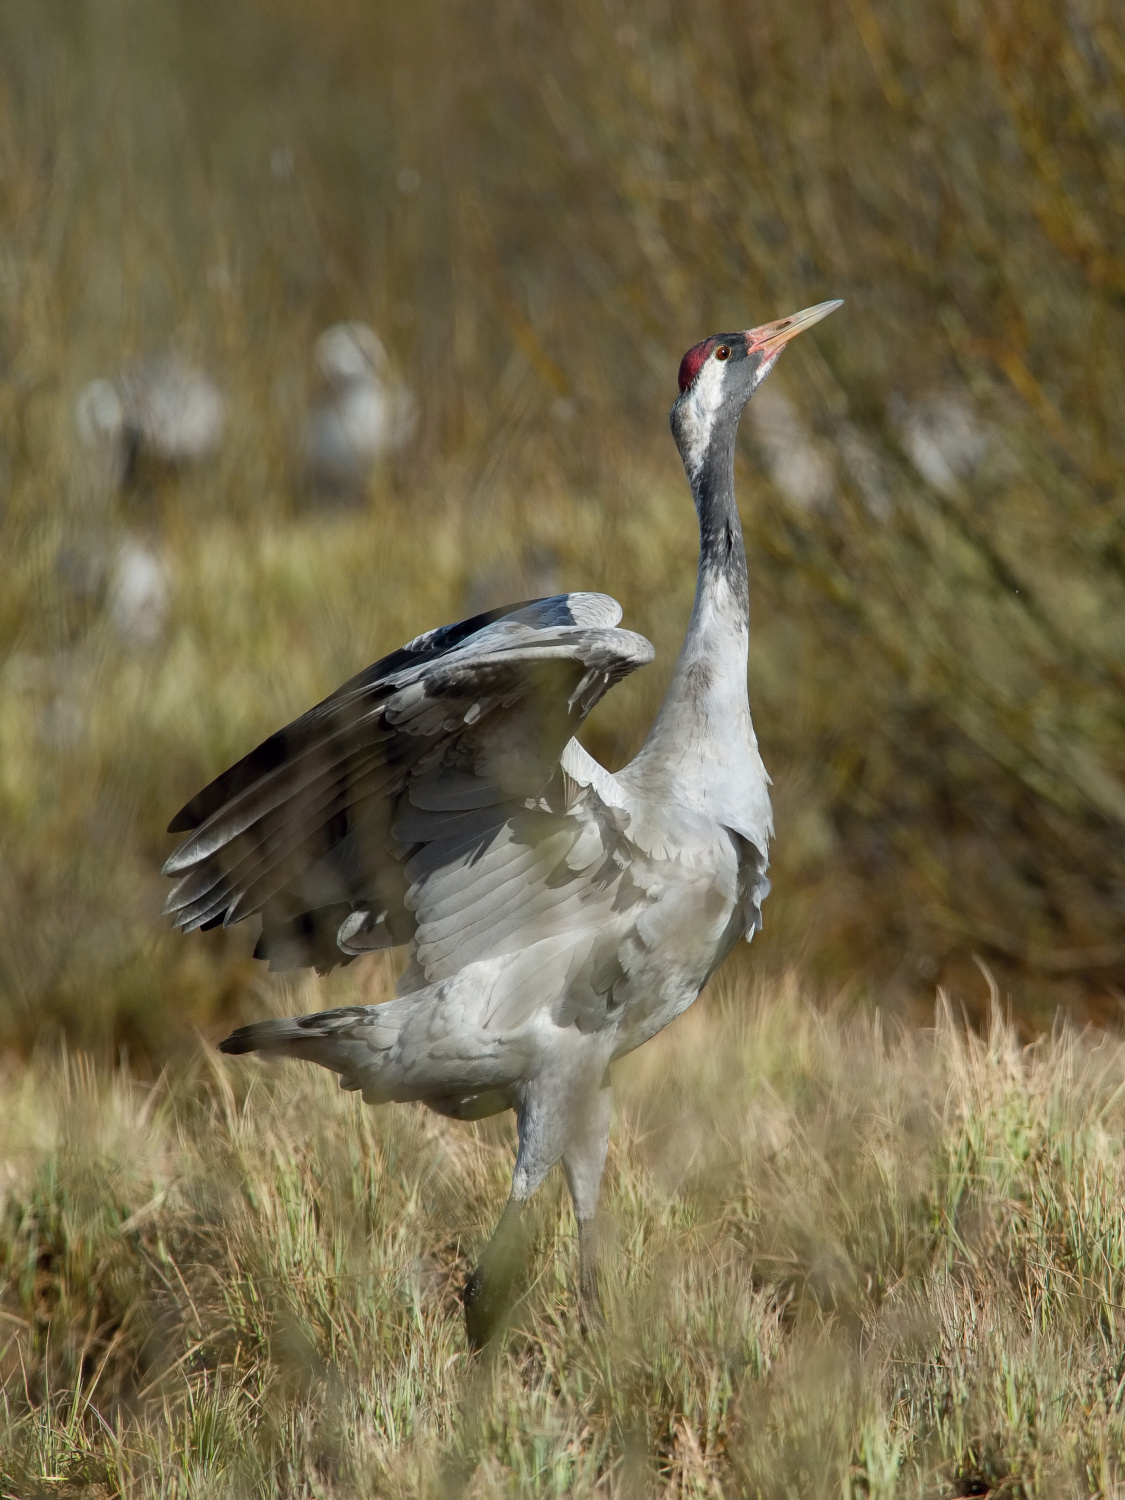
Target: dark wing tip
x=295, y=737
x=239, y=1042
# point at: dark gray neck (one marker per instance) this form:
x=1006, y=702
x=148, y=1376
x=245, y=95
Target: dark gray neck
x=722, y=554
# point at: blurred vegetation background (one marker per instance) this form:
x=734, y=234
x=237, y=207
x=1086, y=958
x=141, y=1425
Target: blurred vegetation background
x=539, y=207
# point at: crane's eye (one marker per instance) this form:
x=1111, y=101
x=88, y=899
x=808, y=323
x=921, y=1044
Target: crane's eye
x=723, y=351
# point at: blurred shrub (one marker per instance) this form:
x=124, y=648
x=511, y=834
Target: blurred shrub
x=539, y=207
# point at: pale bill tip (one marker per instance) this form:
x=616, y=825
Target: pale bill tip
x=810, y=315
x=771, y=338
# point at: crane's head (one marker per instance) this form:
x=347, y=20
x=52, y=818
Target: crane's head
x=719, y=375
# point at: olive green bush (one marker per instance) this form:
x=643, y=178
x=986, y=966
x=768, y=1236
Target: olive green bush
x=539, y=207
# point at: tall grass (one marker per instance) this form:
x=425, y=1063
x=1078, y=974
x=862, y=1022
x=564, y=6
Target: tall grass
x=842, y=1258
x=540, y=207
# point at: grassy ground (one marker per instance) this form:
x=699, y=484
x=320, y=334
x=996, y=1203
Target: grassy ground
x=842, y=1259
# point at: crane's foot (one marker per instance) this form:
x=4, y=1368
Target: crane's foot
x=488, y=1293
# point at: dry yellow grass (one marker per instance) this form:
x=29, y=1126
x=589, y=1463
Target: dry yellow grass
x=843, y=1258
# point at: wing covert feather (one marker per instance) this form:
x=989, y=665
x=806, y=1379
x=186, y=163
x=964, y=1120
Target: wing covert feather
x=385, y=803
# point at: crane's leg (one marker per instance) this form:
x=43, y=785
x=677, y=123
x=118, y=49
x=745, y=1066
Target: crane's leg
x=561, y=1116
x=544, y=1119
x=488, y=1291
x=584, y=1164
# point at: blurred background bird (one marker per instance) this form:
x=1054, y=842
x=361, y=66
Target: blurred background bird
x=362, y=417
x=161, y=411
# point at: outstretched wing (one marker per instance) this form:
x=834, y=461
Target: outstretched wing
x=411, y=768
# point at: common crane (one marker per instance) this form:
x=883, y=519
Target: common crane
x=161, y=409
x=365, y=414
x=557, y=915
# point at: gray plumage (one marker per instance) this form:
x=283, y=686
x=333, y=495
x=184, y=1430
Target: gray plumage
x=364, y=414
x=557, y=915
x=161, y=409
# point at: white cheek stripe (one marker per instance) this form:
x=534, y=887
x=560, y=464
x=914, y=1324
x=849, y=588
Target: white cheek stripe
x=704, y=400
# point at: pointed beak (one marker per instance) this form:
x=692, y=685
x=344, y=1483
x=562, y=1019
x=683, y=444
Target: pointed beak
x=771, y=338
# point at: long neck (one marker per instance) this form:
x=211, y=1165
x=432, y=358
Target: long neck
x=705, y=716
x=722, y=581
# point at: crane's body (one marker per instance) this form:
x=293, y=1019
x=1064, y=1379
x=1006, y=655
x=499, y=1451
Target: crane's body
x=557, y=915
